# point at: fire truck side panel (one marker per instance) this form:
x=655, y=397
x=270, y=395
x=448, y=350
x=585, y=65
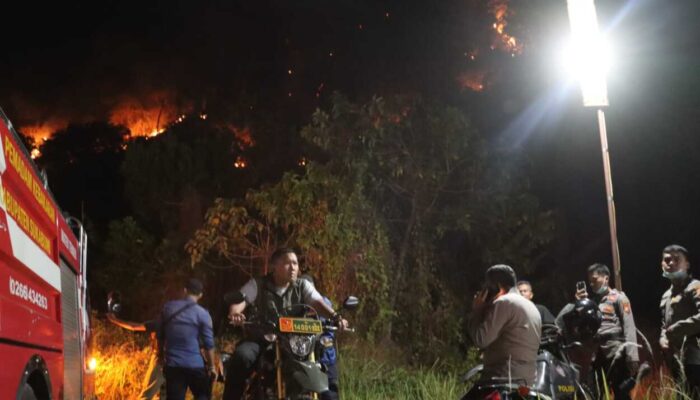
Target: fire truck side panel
x=30, y=312
x=70, y=315
x=68, y=245
x=17, y=358
x=42, y=304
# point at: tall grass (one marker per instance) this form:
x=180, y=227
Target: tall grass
x=371, y=372
x=369, y=379
x=367, y=372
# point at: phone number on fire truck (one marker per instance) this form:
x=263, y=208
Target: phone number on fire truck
x=24, y=292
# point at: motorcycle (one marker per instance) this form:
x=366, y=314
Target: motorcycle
x=500, y=388
x=290, y=367
x=557, y=377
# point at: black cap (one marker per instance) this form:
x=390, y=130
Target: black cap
x=194, y=286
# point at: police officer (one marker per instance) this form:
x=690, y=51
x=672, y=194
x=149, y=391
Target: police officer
x=616, y=353
x=680, y=318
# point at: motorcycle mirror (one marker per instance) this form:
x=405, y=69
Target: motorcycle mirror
x=114, y=299
x=351, y=303
x=235, y=297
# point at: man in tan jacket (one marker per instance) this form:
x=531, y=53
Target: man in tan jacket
x=506, y=326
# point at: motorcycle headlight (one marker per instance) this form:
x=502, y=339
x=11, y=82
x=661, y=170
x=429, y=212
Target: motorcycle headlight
x=301, y=345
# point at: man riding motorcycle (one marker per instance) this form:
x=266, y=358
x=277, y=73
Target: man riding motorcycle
x=269, y=295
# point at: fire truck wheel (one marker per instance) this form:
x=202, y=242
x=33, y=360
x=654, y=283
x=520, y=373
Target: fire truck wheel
x=27, y=393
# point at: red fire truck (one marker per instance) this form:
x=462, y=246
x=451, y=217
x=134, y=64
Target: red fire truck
x=44, y=322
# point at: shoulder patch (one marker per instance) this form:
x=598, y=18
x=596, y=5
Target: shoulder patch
x=626, y=307
x=607, y=308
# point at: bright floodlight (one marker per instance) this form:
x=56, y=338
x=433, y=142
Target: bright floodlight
x=588, y=54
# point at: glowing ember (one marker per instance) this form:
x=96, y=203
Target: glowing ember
x=243, y=135
x=473, y=80
x=240, y=162
x=503, y=41
x=471, y=54
x=303, y=161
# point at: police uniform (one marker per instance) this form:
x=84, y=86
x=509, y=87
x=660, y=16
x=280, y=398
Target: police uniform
x=680, y=326
x=616, y=341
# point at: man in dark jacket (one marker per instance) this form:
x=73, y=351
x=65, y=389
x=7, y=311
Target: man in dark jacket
x=680, y=319
x=525, y=289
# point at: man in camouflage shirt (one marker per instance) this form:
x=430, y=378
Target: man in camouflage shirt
x=680, y=319
x=616, y=354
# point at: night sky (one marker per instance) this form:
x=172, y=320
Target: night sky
x=77, y=62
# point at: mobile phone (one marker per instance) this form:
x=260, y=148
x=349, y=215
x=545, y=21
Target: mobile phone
x=580, y=285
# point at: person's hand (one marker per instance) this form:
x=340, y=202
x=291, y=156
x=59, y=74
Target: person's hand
x=663, y=342
x=479, y=301
x=236, y=319
x=213, y=373
x=633, y=367
x=340, y=322
x=581, y=294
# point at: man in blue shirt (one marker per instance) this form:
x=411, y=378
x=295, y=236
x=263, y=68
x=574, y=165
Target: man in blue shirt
x=184, y=325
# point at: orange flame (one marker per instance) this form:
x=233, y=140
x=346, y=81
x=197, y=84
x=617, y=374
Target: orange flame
x=42, y=131
x=503, y=41
x=147, y=116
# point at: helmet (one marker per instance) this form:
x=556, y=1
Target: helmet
x=583, y=321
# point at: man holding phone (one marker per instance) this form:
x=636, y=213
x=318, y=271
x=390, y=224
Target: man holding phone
x=506, y=326
x=616, y=351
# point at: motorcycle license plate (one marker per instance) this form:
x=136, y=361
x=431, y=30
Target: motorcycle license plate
x=300, y=325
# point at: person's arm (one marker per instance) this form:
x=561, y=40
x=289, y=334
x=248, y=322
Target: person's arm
x=559, y=321
x=206, y=333
x=235, y=311
x=663, y=340
x=628, y=328
x=128, y=325
x=485, y=326
x=314, y=299
x=547, y=317
x=691, y=325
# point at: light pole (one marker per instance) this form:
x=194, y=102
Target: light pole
x=589, y=60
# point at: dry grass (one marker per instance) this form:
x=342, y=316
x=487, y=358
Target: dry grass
x=122, y=361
